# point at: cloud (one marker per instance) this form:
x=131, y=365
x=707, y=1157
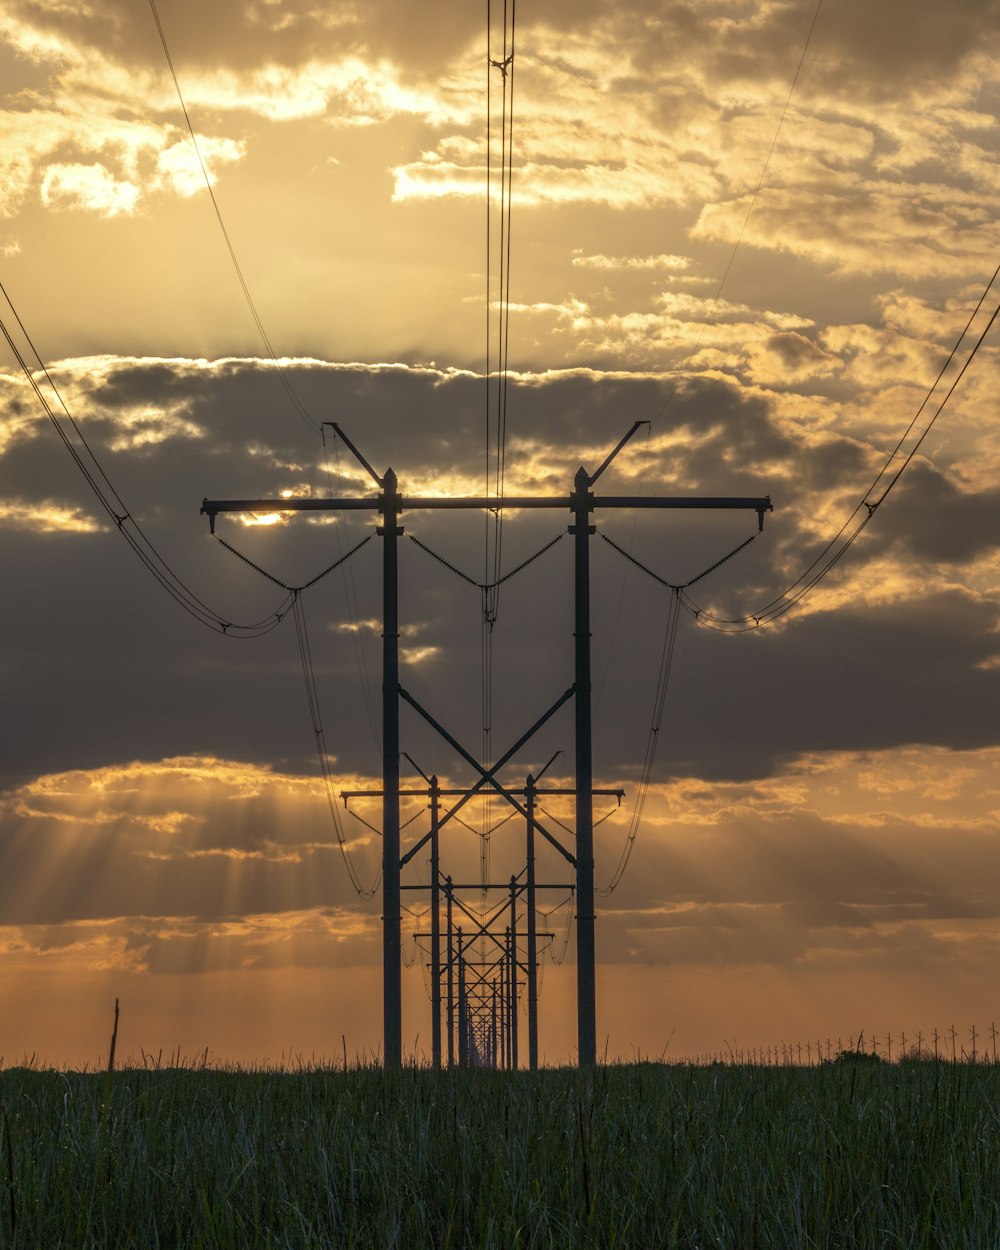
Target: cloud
x=172, y=945
x=47, y=517
x=904, y=628
x=89, y=187
x=807, y=775
x=868, y=227
x=137, y=159
x=661, y=261
x=197, y=837
x=673, y=131
x=939, y=522
x=831, y=861
x=790, y=357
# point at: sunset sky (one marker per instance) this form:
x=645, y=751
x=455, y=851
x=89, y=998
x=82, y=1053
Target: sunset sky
x=820, y=851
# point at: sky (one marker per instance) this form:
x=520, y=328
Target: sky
x=758, y=225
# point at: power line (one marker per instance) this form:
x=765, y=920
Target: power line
x=316, y=716
x=660, y=695
x=673, y=585
x=707, y=320
x=652, y=741
x=807, y=581
x=244, y=287
x=305, y=585
x=550, y=947
x=312, y=696
x=351, y=593
x=115, y=508
x=113, y=505
x=493, y=533
x=863, y=512
x=498, y=453
x=485, y=587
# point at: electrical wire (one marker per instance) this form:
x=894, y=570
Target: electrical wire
x=492, y=828
x=351, y=595
x=428, y=981
x=497, y=453
x=293, y=397
x=111, y=501
x=485, y=629
x=659, y=700
x=496, y=446
x=126, y=524
x=319, y=735
x=507, y=154
x=863, y=512
x=662, y=580
x=485, y=587
x=115, y=508
x=408, y=963
x=306, y=585
x=557, y=960
x=679, y=600
x=707, y=320
x=820, y=567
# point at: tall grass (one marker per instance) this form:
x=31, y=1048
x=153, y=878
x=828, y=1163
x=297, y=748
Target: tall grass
x=646, y=1156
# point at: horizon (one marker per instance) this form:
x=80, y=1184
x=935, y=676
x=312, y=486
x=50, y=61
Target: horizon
x=759, y=227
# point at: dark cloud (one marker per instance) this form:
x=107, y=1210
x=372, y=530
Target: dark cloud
x=230, y=33
x=104, y=667
x=934, y=520
x=796, y=350
x=887, y=50
x=856, y=678
x=890, y=47
x=898, y=48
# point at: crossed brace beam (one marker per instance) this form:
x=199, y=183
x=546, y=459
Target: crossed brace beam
x=390, y=504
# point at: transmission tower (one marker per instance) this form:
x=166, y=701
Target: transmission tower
x=481, y=996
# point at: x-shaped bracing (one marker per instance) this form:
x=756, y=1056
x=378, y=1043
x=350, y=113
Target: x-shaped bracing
x=487, y=776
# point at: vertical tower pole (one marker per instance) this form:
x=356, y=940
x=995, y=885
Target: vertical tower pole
x=392, y=999
x=463, y=1040
x=582, y=501
x=451, y=973
x=529, y=802
x=513, y=973
x=435, y=928
x=501, y=982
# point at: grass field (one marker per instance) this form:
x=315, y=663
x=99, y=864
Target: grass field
x=855, y=1154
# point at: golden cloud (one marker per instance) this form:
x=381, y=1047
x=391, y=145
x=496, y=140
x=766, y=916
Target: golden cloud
x=48, y=517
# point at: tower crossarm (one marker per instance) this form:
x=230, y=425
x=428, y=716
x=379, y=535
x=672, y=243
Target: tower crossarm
x=490, y=503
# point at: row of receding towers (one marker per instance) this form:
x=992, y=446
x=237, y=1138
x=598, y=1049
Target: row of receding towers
x=481, y=994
